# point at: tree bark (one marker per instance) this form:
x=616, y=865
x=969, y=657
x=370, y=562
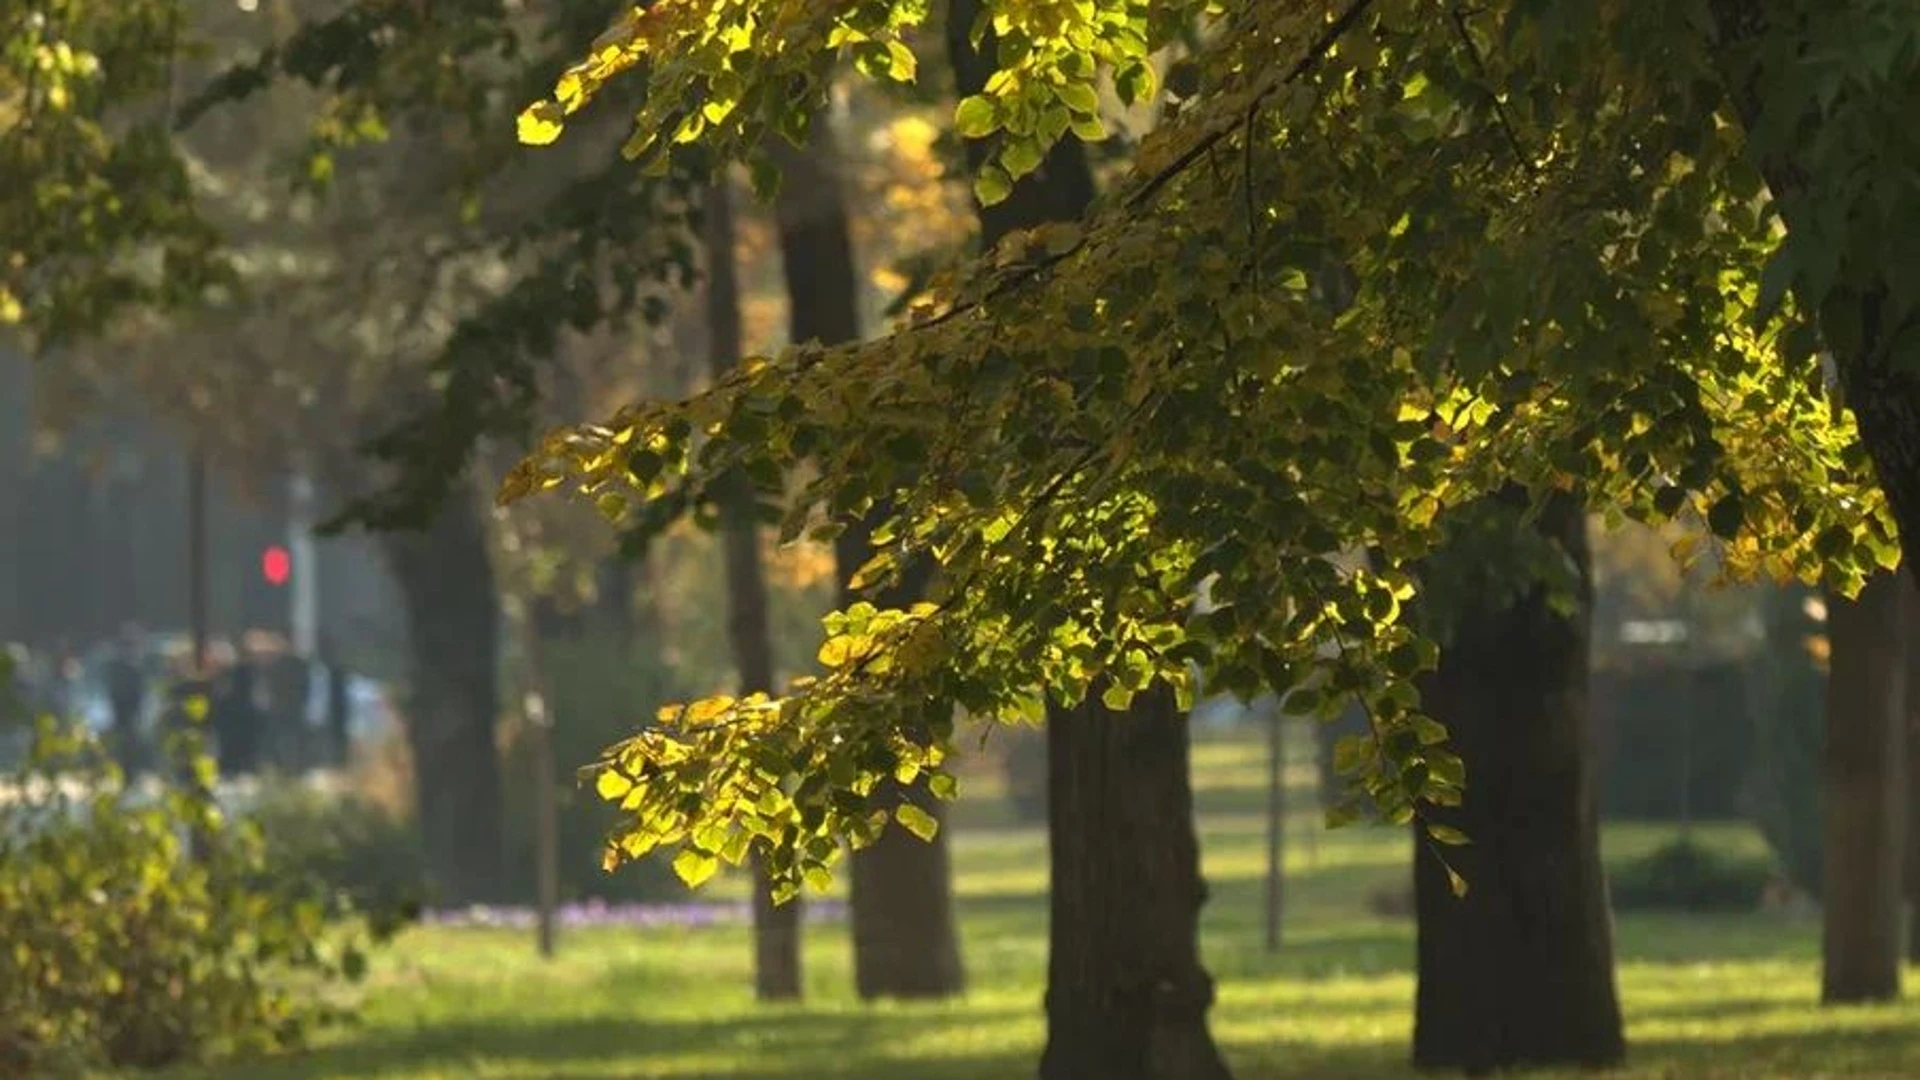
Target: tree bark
x=776, y=927
x=1127, y=996
x=905, y=944
x=446, y=581
x=1911, y=871
x=1864, y=776
x=1519, y=972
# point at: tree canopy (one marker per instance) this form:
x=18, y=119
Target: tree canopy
x=1378, y=261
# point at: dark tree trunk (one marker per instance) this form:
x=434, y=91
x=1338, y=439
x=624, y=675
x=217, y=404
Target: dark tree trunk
x=445, y=577
x=776, y=927
x=1519, y=972
x=1864, y=778
x=1911, y=871
x=905, y=944
x=1127, y=997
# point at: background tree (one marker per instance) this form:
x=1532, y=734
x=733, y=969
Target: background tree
x=905, y=943
x=1865, y=792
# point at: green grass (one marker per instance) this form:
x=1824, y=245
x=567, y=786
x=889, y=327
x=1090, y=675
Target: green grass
x=1706, y=997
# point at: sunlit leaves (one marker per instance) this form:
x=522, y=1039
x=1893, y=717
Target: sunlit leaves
x=1356, y=287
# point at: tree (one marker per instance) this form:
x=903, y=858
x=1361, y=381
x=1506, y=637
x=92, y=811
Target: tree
x=905, y=942
x=776, y=925
x=100, y=217
x=445, y=573
x=1816, y=135
x=1912, y=864
x=1560, y=250
x=1515, y=939
x=1126, y=993
x=1865, y=786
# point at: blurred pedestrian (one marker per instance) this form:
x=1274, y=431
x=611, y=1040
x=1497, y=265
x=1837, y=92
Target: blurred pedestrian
x=238, y=728
x=126, y=678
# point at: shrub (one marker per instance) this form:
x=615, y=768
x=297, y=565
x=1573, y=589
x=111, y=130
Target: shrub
x=136, y=931
x=1684, y=876
x=343, y=851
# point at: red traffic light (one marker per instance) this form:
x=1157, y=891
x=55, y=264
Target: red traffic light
x=276, y=565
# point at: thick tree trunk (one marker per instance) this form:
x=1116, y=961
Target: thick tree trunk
x=905, y=943
x=445, y=577
x=1519, y=972
x=1127, y=997
x=1911, y=871
x=1864, y=780
x=776, y=927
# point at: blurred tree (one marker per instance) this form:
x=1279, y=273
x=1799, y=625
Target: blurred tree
x=905, y=943
x=1864, y=782
x=776, y=926
x=99, y=216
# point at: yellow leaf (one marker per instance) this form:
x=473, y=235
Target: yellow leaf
x=707, y=710
x=611, y=785
x=540, y=123
x=694, y=866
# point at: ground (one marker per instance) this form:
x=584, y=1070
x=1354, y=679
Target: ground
x=1707, y=998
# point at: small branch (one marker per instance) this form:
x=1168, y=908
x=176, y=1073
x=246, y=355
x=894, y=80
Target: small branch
x=1500, y=116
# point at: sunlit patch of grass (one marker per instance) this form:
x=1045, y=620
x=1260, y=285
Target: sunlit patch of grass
x=1713, y=998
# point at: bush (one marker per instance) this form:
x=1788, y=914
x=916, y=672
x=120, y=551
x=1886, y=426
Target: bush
x=1684, y=876
x=137, y=933
x=347, y=853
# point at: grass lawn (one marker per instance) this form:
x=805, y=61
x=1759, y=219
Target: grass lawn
x=1705, y=997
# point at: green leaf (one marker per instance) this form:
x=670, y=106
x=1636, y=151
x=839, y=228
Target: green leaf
x=943, y=786
x=992, y=186
x=1080, y=97
x=1447, y=834
x=976, y=117
x=916, y=821
x=1456, y=883
x=694, y=866
x=1021, y=157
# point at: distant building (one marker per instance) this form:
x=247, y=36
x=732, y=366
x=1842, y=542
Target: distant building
x=93, y=534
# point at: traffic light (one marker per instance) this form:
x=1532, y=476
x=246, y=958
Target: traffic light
x=276, y=565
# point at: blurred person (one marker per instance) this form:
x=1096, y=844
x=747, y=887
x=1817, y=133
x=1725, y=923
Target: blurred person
x=126, y=679
x=236, y=719
x=337, y=707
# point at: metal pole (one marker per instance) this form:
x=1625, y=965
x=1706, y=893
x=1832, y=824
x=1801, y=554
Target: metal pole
x=303, y=616
x=546, y=819
x=197, y=556
x=1276, y=822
